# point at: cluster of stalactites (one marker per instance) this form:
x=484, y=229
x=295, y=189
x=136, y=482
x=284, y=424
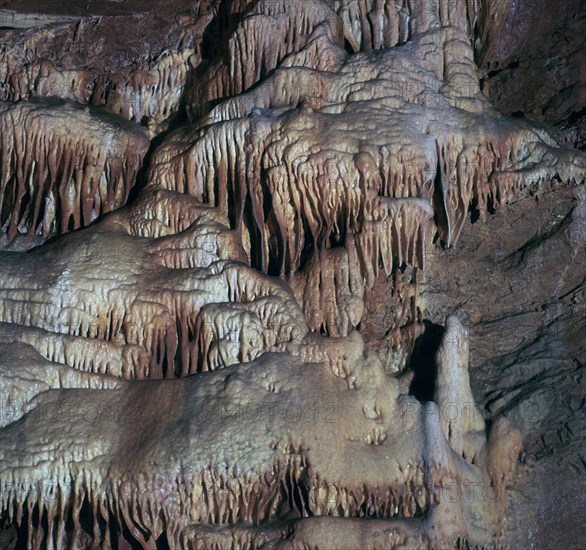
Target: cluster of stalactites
x=148, y=90
x=331, y=290
x=331, y=286
x=52, y=508
x=488, y=173
x=153, y=95
x=374, y=24
x=89, y=355
x=335, y=218
x=213, y=313
x=299, y=202
x=55, y=175
x=270, y=31
x=76, y=501
x=273, y=33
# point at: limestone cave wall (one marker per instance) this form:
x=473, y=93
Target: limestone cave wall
x=292, y=274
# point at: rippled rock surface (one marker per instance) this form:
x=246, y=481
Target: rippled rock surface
x=286, y=274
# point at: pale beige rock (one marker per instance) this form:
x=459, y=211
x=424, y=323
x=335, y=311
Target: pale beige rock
x=63, y=166
x=189, y=371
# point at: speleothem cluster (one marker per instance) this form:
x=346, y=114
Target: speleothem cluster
x=188, y=370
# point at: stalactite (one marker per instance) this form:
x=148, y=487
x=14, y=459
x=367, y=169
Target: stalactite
x=191, y=368
x=374, y=24
x=64, y=180
x=145, y=88
x=271, y=31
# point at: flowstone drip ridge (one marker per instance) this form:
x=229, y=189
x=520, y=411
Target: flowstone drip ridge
x=62, y=168
x=187, y=365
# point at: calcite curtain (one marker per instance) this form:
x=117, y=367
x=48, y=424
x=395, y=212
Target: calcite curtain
x=292, y=274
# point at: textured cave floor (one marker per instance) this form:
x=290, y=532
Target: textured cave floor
x=518, y=279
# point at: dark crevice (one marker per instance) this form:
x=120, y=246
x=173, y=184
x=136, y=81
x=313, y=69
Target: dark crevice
x=491, y=205
x=348, y=47
x=162, y=542
x=474, y=211
x=177, y=120
x=422, y=361
x=440, y=215
x=576, y=116
x=497, y=69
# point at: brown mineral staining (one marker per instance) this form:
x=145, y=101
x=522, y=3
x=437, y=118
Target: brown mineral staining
x=62, y=167
x=196, y=363
x=97, y=54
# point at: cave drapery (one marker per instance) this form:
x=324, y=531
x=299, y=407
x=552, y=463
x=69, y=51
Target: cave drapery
x=292, y=274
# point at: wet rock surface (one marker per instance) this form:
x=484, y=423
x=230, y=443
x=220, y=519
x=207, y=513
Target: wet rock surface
x=294, y=278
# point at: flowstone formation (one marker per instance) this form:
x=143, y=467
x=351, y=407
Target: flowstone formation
x=214, y=293
x=63, y=168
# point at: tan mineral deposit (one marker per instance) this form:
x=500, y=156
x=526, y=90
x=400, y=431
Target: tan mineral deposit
x=292, y=274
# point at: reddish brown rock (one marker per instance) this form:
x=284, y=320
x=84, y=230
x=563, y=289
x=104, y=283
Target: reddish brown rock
x=132, y=57
x=531, y=57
